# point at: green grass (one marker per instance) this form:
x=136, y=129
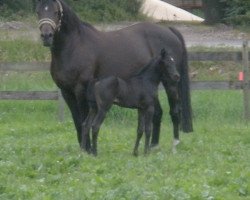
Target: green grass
x=22, y=50
x=40, y=158
x=26, y=81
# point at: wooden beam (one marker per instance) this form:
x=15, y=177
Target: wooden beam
x=24, y=66
x=215, y=56
x=246, y=90
x=30, y=95
x=216, y=85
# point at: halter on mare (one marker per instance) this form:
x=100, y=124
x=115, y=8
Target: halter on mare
x=50, y=21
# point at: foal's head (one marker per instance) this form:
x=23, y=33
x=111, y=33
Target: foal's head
x=50, y=13
x=167, y=67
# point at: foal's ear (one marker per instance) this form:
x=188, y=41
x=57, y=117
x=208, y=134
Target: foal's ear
x=164, y=53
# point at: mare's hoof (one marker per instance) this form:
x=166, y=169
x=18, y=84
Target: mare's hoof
x=154, y=147
x=175, y=144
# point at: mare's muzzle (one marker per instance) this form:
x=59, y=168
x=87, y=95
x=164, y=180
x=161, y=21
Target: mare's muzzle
x=47, y=28
x=47, y=34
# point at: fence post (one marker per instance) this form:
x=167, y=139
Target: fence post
x=61, y=106
x=246, y=91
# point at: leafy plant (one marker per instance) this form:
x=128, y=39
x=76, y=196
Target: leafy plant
x=89, y=10
x=237, y=12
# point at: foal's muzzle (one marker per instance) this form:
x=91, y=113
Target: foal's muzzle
x=176, y=77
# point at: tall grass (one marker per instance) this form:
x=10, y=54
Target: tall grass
x=23, y=50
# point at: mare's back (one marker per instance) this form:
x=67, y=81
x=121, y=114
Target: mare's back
x=125, y=51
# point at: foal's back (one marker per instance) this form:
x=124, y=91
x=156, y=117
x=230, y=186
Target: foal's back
x=135, y=92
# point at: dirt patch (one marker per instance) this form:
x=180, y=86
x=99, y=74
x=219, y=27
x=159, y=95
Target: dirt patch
x=198, y=34
x=219, y=35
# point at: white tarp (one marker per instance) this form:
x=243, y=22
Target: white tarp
x=160, y=10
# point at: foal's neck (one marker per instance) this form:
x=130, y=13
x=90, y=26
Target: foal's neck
x=150, y=73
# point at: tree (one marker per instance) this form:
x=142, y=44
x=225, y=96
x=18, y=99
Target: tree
x=214, y=10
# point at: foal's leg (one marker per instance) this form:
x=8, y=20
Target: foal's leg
x=156, y=123
x=148, y=126
x=140, y=130
x=96, y=127
x=87, y=125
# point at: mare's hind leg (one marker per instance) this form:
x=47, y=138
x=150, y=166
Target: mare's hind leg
x=148, y=127
x=174, y=104
x=156, y=123
x=140, y=130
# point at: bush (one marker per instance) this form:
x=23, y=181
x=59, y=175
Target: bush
x=237, y=12
x=89, y=10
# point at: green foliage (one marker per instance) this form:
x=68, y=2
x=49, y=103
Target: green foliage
x=238, y=12
x=88, y=10
x=106, y=10
x=14, y=9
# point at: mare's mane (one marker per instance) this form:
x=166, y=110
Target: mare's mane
x=72, y=20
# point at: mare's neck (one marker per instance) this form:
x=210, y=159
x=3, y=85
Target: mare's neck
x=71, y=28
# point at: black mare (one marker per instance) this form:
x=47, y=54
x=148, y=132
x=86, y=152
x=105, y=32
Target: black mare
x=81, y=53
x=139, y=92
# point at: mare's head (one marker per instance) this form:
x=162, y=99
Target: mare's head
x=167, y=66
x=50, y=13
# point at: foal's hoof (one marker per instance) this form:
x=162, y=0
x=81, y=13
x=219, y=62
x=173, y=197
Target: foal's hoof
x=94, y=153
x=135, y=153
x=152, y=146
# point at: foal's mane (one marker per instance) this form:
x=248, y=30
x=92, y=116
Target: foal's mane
x=147, y=67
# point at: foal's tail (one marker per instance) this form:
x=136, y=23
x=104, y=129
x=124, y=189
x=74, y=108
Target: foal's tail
x=184, y=88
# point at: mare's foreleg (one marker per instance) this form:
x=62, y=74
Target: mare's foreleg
x=148, y=127
x=140, y=130
x=71, y=101
x=83, y=107
x=156, y=123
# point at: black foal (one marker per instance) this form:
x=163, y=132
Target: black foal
x=139, y=92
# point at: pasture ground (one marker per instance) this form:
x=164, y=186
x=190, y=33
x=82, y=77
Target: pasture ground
x=40, y=158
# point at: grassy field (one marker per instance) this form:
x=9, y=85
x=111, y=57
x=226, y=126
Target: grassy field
x=40, y=158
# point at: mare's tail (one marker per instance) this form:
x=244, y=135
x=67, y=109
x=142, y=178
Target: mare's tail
x=184, y=88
